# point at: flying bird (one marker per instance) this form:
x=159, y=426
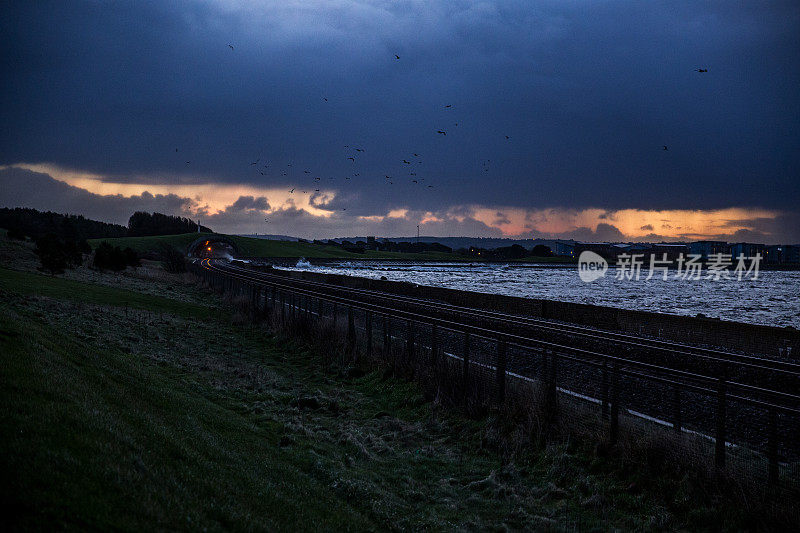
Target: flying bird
x=416, y=155
x=448, y=106
x=442, y=132
x=702, y=70
x=176, y=149
x=256, y=161
x=359, y=149
x=316, y=179
x=507, y=137
x=307, y=172
x=325, y=99
x=230, y=46
x=353, y=159
x=292, y=191
x=188, y=162
x=406, y=162
x=414, y=181
x=396, y=56
x=665, y=147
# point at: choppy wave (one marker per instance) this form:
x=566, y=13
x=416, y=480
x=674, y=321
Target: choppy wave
x=771, y=299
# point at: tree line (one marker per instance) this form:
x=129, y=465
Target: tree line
x=143, y=224
x=22, y=222
x=61, y=239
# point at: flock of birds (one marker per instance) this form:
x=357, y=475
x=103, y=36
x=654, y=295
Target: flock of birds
x=410, y=162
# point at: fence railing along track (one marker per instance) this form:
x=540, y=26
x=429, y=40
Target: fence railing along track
x=717, y=391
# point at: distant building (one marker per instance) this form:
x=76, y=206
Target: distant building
x=603, y=249
x=563, y=248
x=474, y=251
x=791, y=253
x=632, y=248
x=707, y=248
x=672, y=250
x=779, y=254
x=746, y=249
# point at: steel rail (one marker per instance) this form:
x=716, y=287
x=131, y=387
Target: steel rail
x=671, y=348
x=528, y=343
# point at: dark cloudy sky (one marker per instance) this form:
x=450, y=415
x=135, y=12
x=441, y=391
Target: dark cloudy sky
x=97, y=96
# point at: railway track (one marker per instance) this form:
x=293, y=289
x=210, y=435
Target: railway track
x=657, y=372
x=717, y=361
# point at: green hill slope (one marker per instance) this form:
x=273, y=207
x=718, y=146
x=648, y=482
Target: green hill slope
x=252, y=247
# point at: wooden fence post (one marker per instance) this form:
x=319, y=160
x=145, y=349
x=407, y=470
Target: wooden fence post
x=604, y=390
x=465, y=376
x=772, y=447
x=719, y=448
x=409, y=340
x=551, y=399
x=614, y=429
x=335, y=314
x=434, y=345
x=500, y=377
x=368, y=324
x=351, y=330
x=387, y=337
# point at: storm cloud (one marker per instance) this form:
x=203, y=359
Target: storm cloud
x=570, y=103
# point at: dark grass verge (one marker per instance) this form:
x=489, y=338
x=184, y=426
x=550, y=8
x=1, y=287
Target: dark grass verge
x=101, y=440
x=31, y=284
x=111, y=424
x=651, y=462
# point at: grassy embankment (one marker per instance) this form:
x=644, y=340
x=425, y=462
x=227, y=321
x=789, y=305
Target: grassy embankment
x=252, y=247
x=128, y=410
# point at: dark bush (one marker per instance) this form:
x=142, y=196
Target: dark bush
x=16, y=233
x=108, y=257
x=540, y=250
x=56, y=254
x=172, y=259
x=132, y=257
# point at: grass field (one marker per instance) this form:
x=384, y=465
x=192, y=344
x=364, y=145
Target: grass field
x=252, y=247
x=128, y=410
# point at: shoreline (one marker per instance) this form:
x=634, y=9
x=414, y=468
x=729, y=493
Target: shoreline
x=744, y=337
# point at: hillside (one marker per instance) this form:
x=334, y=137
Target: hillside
x=138, y=400
x=254, y=247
